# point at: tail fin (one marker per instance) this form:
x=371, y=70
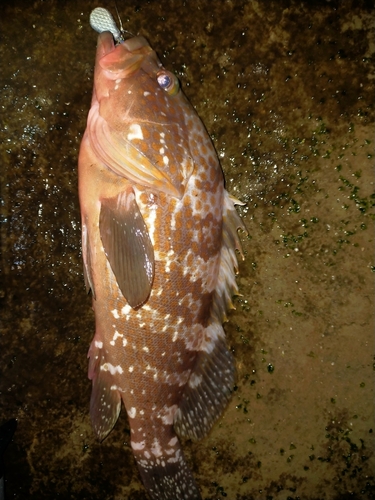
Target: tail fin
x=165, y=473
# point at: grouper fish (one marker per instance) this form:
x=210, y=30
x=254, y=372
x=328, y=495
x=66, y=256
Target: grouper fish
x=159, y=241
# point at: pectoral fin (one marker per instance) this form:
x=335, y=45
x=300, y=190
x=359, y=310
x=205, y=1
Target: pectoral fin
x=127, y=246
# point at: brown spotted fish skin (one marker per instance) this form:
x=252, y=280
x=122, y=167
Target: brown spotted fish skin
x=159, y=240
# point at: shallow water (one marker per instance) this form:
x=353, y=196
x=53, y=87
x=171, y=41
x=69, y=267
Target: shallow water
x=286, y=91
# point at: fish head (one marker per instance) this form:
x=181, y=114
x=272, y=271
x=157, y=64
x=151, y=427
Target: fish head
x=120, y=61
x=138, y=112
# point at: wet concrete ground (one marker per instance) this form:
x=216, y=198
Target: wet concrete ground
x=286, y=89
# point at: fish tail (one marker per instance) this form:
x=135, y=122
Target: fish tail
x=165, y=473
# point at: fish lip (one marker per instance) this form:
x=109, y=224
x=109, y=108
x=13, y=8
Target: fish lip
x=136, y=43
x=105, y=45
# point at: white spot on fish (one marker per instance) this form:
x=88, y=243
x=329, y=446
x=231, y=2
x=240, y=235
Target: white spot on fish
x=132, y=412
x=115, y=313
x=169, y=413
x=151, y=219
x=173, y=460
x=161, y=151
x=115, y=336
x=165, y=160
x=126, y=309
x=156, y=448
x=145, y=93
x=145, y=348
x=98, y=344
x=135, y=132
x=173, y=441
x=107, y=367
x=131, y=368
x=138, y=446
x=195, y=380
x=124, y=342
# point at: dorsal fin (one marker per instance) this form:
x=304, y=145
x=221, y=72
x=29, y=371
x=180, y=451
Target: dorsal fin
x=210, y=384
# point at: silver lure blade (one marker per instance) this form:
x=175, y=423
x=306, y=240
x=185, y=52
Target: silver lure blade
x=102, y=20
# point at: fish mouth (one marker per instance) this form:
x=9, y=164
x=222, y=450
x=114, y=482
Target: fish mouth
x=119, y=61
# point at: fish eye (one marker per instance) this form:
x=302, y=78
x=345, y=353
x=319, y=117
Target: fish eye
x=168, y=82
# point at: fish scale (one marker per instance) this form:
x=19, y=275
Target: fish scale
x=159, y=241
